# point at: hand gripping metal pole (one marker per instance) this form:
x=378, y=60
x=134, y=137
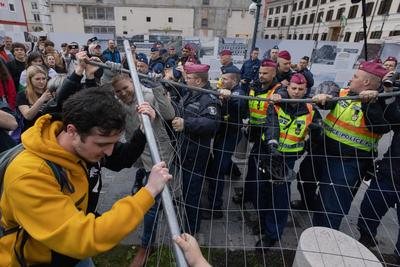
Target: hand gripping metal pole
x=155, y=155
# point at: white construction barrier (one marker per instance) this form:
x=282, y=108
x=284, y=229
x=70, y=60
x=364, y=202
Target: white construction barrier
x=320, y=246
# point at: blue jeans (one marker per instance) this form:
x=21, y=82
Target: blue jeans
x=85, y=263
x=273, y=205
x=339, y=182
x=380, y=196
x=150, y=223
x=224, y=146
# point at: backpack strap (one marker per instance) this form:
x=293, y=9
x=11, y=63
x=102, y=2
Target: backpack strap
x=61, y=177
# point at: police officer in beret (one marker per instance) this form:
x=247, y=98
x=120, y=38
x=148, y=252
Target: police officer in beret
x=198, y=120
x=249, y=71
x=228, y=136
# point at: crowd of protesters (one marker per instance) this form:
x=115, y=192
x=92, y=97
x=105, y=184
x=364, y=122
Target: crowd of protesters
x=198, y=132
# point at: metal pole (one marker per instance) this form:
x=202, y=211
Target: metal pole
x=253, y=42
x=155, y=155
x=364, y=12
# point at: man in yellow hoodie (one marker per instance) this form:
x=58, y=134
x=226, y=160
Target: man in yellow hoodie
x=47, y=223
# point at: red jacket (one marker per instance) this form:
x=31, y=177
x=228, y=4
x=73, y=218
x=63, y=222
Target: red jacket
x=8, y=92
x=3, y=55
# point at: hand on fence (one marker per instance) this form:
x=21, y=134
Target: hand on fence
x=191, y=250
x=321, y=99
x=178, y=124
x=159, y=177
x=369, y=96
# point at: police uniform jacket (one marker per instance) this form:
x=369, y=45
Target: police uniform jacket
x=281, y=76
x=152, y=63
x=233, y=111
x=249, y=70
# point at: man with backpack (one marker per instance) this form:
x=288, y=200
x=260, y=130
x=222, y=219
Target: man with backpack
x=45, y=197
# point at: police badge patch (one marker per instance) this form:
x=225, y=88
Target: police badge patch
x=212, y=111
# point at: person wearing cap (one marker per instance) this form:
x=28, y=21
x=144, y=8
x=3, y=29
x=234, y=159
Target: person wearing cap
x=392, y=77
x=352, y=131
x=70, y=59
x=287, y=126
x=197, y=120
x=382, y=193
x=249, y=70
x=111, y=53
x=390, y=63
x=233, y=111
x=172, y=54
x=264, y=87
x=142, y=64
x=175, y=92
x=155, y=58
x=188, y=54
x=302, y=68
x=226, y=61
x=284, y=73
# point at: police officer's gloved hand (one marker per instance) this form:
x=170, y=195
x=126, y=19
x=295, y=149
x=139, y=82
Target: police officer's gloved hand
x=153, y=80
x=272, y=149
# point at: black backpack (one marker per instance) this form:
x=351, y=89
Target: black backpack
x=5, y=159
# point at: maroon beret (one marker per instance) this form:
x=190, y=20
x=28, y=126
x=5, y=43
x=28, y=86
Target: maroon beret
x=373, y=68
x=391, y=59
x=188, y=47
x=197, y=68
x=268, y=63
x=377, y=60
x=285, y=55
x=298, y=78
x=225, y=53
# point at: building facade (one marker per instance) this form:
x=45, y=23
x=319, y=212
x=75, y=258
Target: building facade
x=203, y=18
x=13, y=21
x=38, y=16
x=332, y=20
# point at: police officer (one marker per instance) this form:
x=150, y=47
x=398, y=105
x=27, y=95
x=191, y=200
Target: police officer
x=226, y=139
x=226, y=61
x=302, y=68
x=265, y=87
x=352, y=131
x=142, y=63
x=284, y=73
x=188, y=55
x=284, y=138
x=382, y=194
x=249, y=71
x=155, y=58
x=198, y=121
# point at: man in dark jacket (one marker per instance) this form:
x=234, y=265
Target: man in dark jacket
x=352, y=131
x=17, y=65
x=112, y=53
x=284, y=73
x=198, y=120
x=302, y=68
x=249, y=71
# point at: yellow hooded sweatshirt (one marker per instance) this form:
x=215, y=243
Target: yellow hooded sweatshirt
x=53, y=219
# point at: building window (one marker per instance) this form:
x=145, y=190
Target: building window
x=272, y=36
x=353, y=12
x=301, y=36
x=304, y=21
x=315, y=37
x=294, y=6
x=271, y=11
x=34, y=6
x=99, y=29
x=283, y=22
x=308, y=36
x=329, y=15
x=289, y=37
x=384, y=7
x=307, y=5
x=36, y=17
x=359, y=36
x=99, y=13
x=291, y=21
x=376, y=35
x=206, y=2
x=394, y=33
x=285, y=8
x=276, y=22
x=124, y=32
x=266, y=36
x=278, y=10
x=301, y=5
x=323, y=2
x=298, y=20
x=312, y=18
x=280, y=36
x=347, y=36
x=124, y=18
x=294, y=36
x=340, y=13
x=324, y=36
x=314, y=2
x=320, y=16
x=11, y=6
x=370, y=7
x=148, y=19
x=204, y=23
x=269, y=23
x=170, y=19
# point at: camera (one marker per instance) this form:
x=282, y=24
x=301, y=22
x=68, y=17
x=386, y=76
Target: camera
x=391, y=82
x=252, y=8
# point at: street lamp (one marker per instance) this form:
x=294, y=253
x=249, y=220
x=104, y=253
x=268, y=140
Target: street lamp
x=255, y=7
